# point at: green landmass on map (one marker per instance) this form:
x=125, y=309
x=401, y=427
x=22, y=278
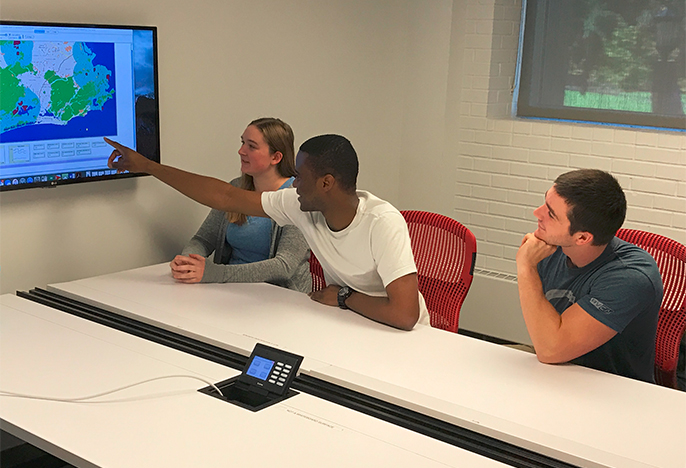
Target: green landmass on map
x=11, y=93
x=20, y=106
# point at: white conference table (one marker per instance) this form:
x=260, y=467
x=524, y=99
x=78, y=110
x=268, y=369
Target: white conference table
x=168, y=423
x=574, y=414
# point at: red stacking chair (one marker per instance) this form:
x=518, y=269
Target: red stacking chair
x=318, y=281
x=445, y=253
x=670, y=257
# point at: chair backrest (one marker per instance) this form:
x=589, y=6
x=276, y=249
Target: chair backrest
x=318, y=281
x=445, y=253
x=670, y=257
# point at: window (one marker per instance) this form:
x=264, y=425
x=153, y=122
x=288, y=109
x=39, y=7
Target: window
x=606, y=61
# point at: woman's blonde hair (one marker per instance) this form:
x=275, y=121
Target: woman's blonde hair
x=279, y=137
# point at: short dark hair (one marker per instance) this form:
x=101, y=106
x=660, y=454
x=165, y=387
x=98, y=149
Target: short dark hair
x=335, y=155
x=596, y=203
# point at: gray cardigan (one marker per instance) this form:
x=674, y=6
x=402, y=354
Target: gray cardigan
x=287, y=265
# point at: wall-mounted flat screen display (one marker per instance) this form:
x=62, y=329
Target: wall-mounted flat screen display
x=63, y=87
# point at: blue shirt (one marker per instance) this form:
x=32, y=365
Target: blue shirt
x=622, y=289
x=250, y=242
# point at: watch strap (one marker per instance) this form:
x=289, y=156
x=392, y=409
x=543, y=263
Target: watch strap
x=343, y=294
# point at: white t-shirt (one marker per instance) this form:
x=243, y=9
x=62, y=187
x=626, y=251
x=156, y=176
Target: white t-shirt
x=372, y=252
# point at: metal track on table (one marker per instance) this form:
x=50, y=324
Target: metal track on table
x=480, y=444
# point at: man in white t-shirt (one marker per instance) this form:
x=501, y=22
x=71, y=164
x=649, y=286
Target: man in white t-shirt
x=361, y=241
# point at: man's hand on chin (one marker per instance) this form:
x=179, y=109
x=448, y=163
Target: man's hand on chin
x=533, y=250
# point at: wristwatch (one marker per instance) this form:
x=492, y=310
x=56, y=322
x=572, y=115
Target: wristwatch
x=343, y=295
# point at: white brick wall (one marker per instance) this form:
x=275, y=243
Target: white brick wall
x=504, y=165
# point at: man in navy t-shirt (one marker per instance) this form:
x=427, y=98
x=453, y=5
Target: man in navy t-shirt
x=588, y=297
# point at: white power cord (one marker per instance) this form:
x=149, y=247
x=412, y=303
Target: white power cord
x=90, y=397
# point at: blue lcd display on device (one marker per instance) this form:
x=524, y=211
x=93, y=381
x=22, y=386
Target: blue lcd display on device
x=260, y=367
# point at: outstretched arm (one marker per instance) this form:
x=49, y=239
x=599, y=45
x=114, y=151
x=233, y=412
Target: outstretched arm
x=556, y=337
x=400, y=309
x=208, y=191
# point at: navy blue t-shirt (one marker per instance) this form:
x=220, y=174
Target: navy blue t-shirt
x=622, y=289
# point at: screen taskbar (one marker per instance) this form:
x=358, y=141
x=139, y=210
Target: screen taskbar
x=55, y=178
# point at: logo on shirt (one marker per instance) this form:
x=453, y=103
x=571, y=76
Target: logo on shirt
x=600, y=306
x=559, y=294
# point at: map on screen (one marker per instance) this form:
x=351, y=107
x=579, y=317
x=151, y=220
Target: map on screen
x=53, y=83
